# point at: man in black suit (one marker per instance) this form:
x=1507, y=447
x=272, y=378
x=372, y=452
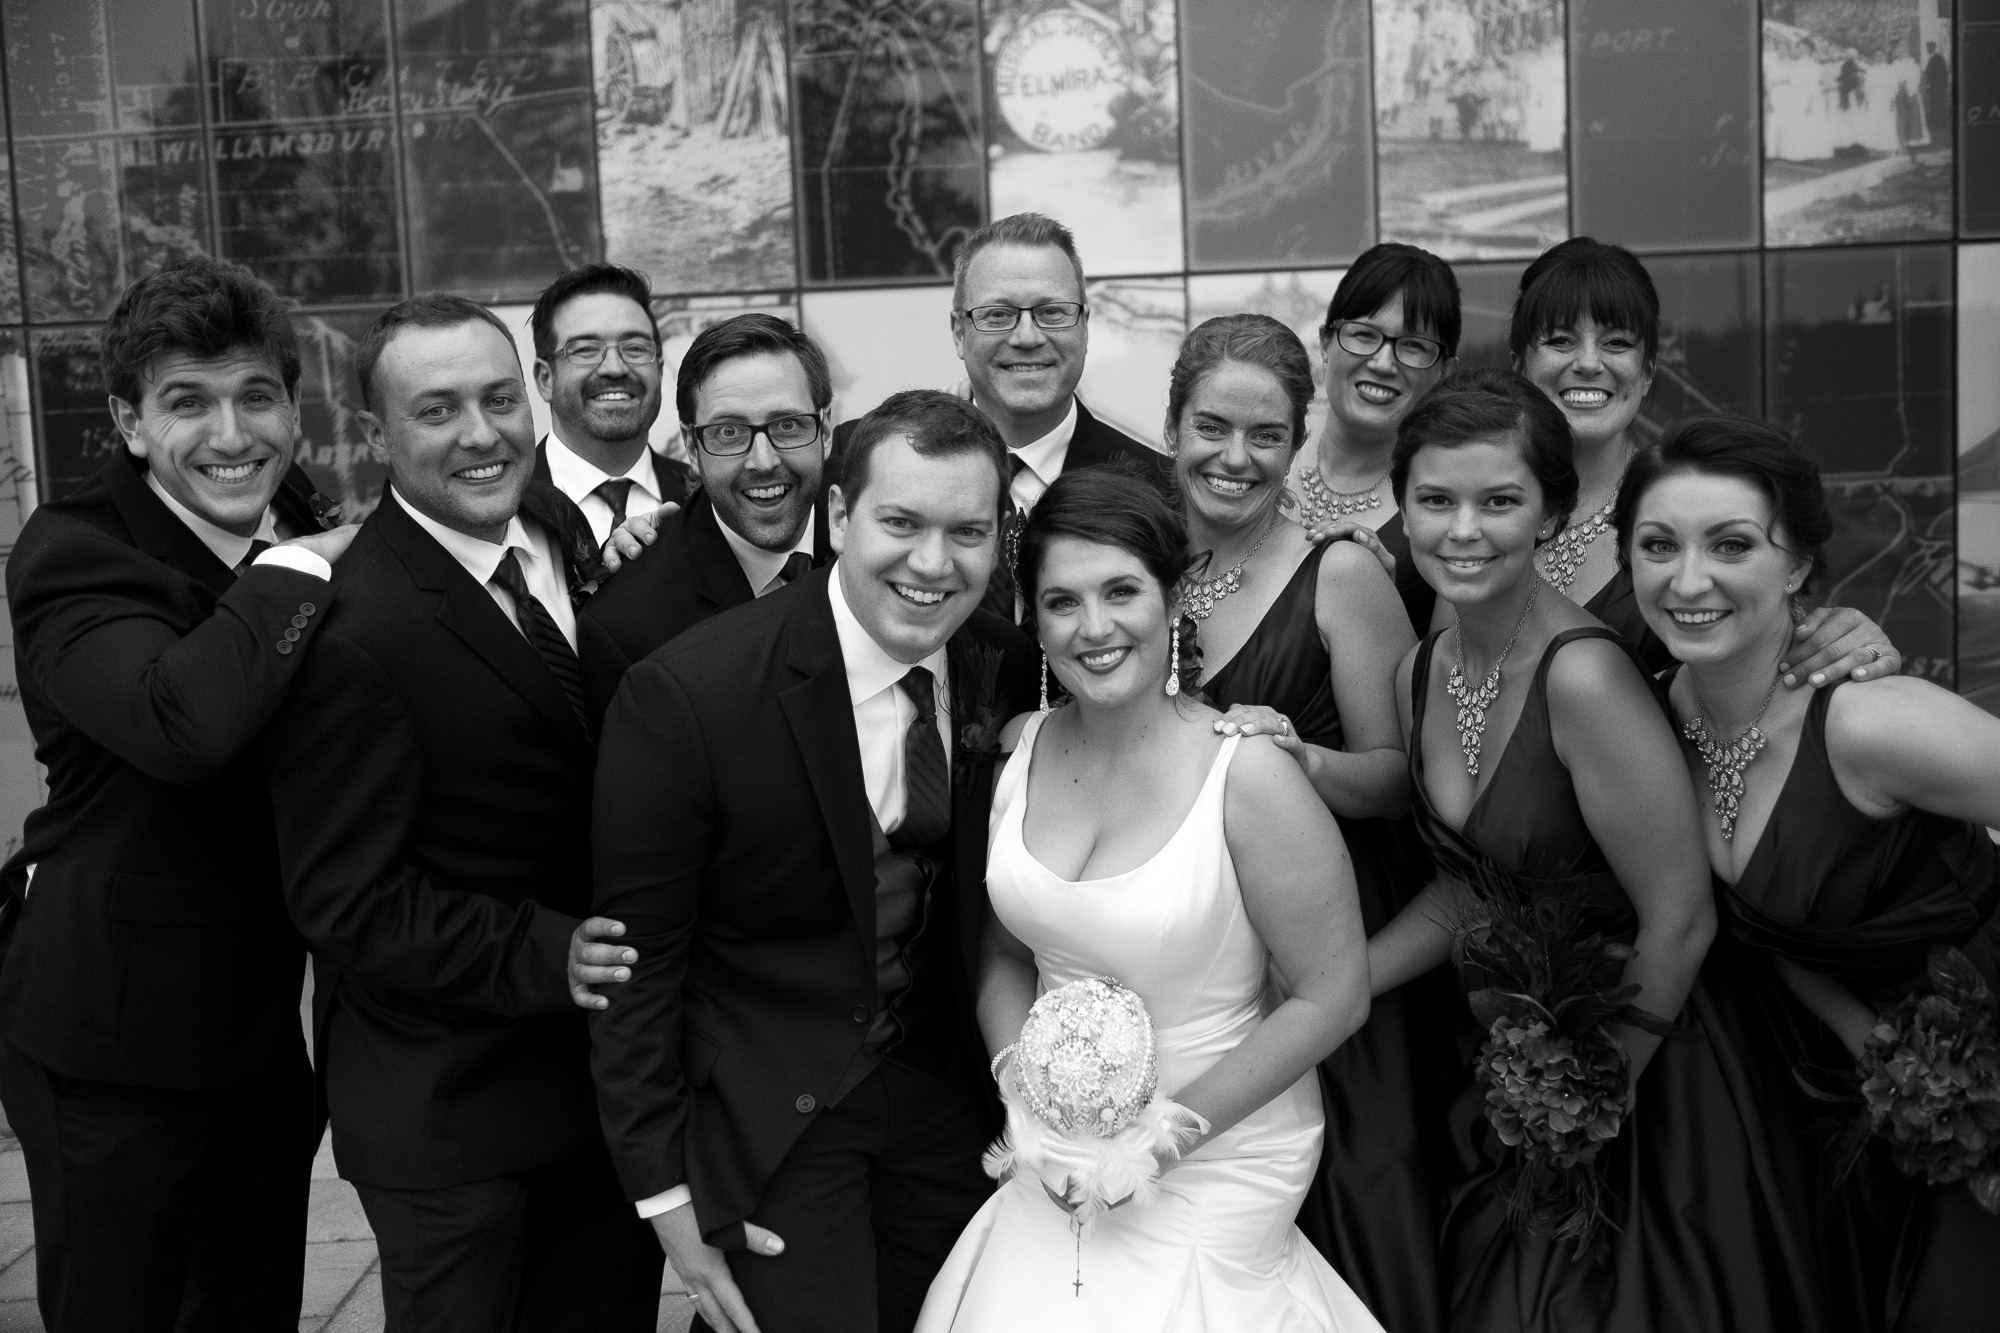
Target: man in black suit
x=597, y=366
x=431, y=777
x=791, y=821
x=753, y=395
x=151, y=1060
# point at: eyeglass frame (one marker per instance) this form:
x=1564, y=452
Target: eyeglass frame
x=763, y=428
x=1395, y=343
x=969, y=314
x=568, y=351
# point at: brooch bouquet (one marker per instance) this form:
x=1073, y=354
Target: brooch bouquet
x=1558, y=1083
x=1084, y=1111
x=1930, y=1080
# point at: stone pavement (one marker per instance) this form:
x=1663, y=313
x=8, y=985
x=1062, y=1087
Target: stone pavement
x=343, y=1290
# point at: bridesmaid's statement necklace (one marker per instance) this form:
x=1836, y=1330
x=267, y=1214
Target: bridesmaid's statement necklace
x=1321, y=502
x=1562, y=558
x=1726, y=762
x=1199, y=596
x=1472, y=704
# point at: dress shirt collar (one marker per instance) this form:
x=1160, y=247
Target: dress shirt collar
x=1044, y=457
x=576, y=476
x=228, y=547
x=759, y=565
x=480, y=557
x=870, y=669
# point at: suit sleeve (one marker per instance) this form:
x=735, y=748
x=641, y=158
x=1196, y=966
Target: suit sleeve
x=346, y=777
x=93, y=628
x=652, y=828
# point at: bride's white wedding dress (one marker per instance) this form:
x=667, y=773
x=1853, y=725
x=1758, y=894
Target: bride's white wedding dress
x=1218, y=1250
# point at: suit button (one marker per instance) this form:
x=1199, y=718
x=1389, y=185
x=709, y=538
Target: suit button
x=284, y=646
x=307, y=608
x=300, y=622
x=805, y=1104
x=861, y=1013
x=291, y=636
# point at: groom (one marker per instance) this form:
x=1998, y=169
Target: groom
x=791, y=823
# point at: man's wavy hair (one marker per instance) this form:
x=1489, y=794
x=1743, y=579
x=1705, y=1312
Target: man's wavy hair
x=201, y=306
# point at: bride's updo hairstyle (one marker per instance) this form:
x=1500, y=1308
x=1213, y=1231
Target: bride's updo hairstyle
x=1254, y=340
x=1470, y=406
x=1761, y=455
x=1109, y=505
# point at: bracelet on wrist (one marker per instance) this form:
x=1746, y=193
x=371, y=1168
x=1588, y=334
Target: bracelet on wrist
x=993, y=1069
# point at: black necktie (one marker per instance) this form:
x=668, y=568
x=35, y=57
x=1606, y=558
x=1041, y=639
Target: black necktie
x=796, y=564
x=926, y=776
x=999, y=598
x=543, y=632
x=257, y=547
x=617, y=493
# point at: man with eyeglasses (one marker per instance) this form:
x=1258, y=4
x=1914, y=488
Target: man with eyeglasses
x=753, y=394
x=1021, y=323
x=597, y=365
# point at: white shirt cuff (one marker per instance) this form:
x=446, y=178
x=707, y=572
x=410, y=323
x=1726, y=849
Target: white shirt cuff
x=665, y=1201
x=297, y=557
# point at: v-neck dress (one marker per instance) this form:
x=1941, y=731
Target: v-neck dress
x=1372, y=1209
x=1862, y=900
x=1712, y=1228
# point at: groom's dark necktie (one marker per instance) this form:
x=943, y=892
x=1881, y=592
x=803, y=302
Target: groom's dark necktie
x=926, y=775
x=543, y=633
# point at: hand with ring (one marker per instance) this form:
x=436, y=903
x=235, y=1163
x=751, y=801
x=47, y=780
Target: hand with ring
x=1838, y=643
x=1257, y=720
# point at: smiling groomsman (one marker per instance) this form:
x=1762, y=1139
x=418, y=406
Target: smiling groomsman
x=597, y=366
x=151, y=1060
x=431, y=778
x=753, y=395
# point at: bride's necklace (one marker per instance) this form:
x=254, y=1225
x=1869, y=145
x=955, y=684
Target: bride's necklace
x=1472, y=704
x=1320, y=502
x=1199, y=596
x=1561, y=559
x=1726, y=762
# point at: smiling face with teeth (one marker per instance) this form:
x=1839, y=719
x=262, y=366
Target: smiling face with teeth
x=451, y=421
x=766, y=496
x=1368, y=396
x=916, y=544
x=1102, y=619
x=217, y=432
x=1597, y=374
x=1023, y=379
x=1711, y=569
x=602, y=411
x=1233, y=446
x=1474, y=512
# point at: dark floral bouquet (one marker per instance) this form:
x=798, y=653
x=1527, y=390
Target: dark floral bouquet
x=1930, y=1078
x=974, y=704
x=1558, y=1084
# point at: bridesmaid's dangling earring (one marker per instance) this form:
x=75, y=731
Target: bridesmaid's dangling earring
x=1174, y=663
x=1045, y=680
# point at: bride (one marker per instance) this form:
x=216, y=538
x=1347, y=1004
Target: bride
x=1129, y=840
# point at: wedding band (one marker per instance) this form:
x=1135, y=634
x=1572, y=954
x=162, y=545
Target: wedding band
x=1874, y=652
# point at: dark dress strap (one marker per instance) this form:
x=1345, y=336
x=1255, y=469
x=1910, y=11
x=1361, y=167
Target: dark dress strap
x=1284, y=663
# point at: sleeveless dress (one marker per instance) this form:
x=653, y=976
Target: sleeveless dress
x=1862, y=900
x=1419, y=598
x=1372, y=1210
x=1217, y=1251
x=1711, y=1213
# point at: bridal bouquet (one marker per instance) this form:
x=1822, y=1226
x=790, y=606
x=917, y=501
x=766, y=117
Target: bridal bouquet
x=1558, y=1084
x=1084, y=1112
x=1930, y=1075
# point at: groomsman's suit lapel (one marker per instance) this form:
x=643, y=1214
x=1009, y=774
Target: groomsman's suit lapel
x=156, y=531
x=469, y=611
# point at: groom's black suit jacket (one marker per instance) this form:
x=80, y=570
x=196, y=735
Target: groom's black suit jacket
x=432, y=790
x=732, y=837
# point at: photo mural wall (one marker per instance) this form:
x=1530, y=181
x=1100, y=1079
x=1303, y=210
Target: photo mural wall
x=1815, y=186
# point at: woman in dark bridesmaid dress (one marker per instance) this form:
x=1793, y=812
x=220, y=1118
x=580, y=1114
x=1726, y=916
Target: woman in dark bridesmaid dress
x=1391, y=332
x=1850, y=836
x=1559, y=779
x=1300, y=643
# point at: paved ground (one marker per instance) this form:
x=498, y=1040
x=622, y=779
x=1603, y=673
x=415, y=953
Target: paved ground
x=343, y=1293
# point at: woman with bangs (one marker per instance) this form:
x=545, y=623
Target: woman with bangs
x=1550, y=790
x=1586, y=330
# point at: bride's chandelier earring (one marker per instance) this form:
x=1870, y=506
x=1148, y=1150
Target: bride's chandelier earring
x=1045, y=680
x=1174, y=660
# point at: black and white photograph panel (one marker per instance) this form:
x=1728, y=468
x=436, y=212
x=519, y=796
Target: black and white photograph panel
x=1857, y=120
x=1470, y=118
x=883, y=341
x=694, y=144
x=1979, y=476
x=1083, y=124
x=1136, y=327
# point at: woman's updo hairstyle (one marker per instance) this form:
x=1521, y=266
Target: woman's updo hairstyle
x=1111, y=505
x=1255, y=340
x=1750, y=451
x=1482, y=404
x=1426, y=283
x=1581, y=277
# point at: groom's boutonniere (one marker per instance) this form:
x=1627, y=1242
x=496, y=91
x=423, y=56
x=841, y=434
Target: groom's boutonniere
x=976, y=712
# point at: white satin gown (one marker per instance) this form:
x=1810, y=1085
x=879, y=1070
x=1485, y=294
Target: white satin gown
x=1218, y=1251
